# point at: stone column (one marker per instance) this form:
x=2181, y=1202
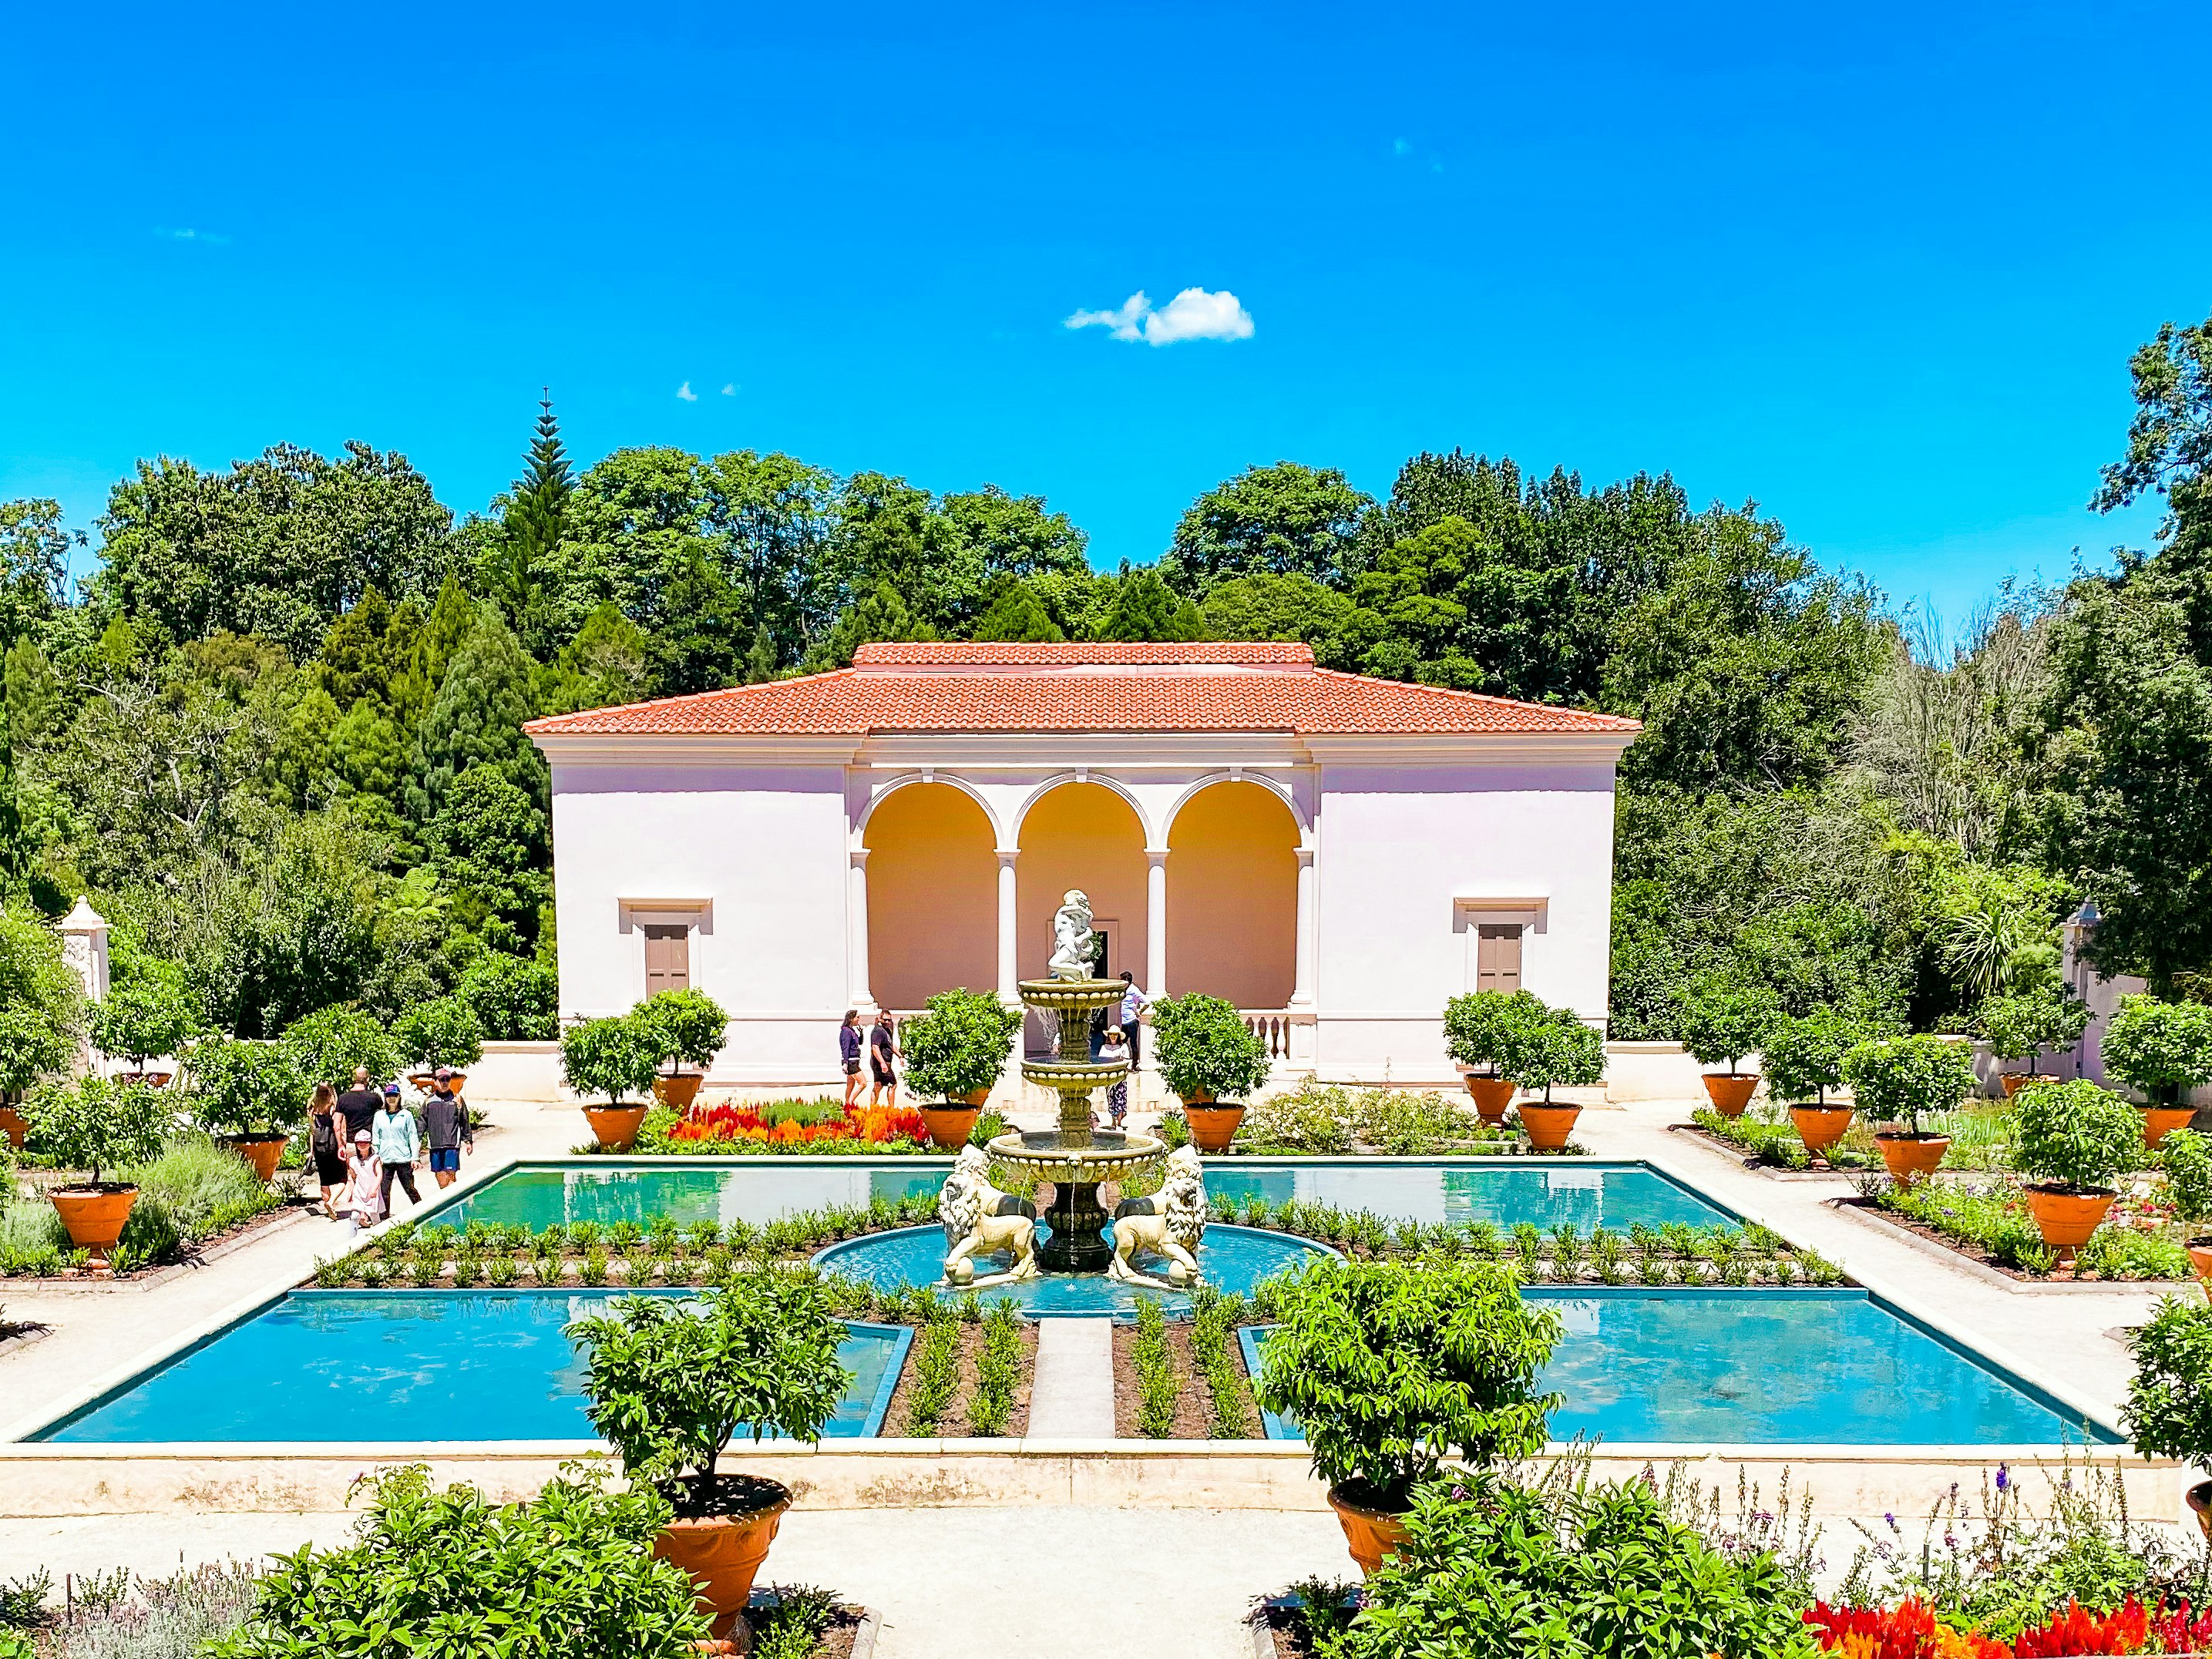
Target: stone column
x=856, y=923
x=84, y=947
x=1156, y=921
x=1302, y=984
x=1009, y=973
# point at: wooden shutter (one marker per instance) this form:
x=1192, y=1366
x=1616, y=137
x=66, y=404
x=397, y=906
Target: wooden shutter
x=667, y=958
x=1498, y=956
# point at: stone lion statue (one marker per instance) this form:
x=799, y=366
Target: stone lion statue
x=980, y=1220
x=1171, y=1223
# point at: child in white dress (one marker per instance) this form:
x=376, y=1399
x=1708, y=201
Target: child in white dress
x=1116, y=1049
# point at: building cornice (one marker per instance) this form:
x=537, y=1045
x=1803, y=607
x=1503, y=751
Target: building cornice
x=685, y=752
x=1471, y=749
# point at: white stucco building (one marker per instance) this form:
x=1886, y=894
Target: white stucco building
x=1336, y=856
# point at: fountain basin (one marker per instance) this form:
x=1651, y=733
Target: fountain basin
x=1111, y=1154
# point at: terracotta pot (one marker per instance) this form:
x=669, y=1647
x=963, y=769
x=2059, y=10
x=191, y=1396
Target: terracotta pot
x=13, y=1126
x=723, y=1555
x=949, y=1126
x=1547, y=1127
x=2066, y=1218
x=1369, y=1534
x=2160, y=1121
x=94, y=1215
x=1493, y=1095
x=2013, y=1082
x=2200, y=1499
x=615, y=1125
x=426, y=1081
x=679, y=1092
x=1820, y=1126
x=1212, y=1127
x=2200, y=1257
x=1911, y=1157
x=263, y=1152
x=1731, y=1091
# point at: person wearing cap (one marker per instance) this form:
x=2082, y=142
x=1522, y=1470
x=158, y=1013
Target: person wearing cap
x=361, y=1206
x=398, y=1145
x=446, y=1128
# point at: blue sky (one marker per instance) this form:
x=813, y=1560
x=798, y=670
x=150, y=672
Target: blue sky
x=1879, y=268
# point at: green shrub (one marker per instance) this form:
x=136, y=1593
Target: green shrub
x=42, y=1005
x=683, y=1025
x=2187, y=1158
x=1204, y=1048
x=989, y=1125
x=516, y=999
x=152, y=1012
x=1389, y=1366
x=1546, y=1048
x=1804, y=1056
x=242, y=1088
x=442, y=1031
x=615, y=1056
x=2022, y=1024
x=2169, y=1409
x=206, y=1188
x=1477, y=1025
x=2076, y=1134
x=1723, y=1018
x=1902, y=1079
x=1315, y=1117
x=959, y=1046
x=329, y=1044
x=151, y=1237
x=1492, y=1567
x=97, y=1126
x=171, y=1618
x=568, y=1575
x=2158, y=1048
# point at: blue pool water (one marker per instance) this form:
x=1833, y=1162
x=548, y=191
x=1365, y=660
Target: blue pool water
x=1547, y=1191
x=756, y=1190
x=1233, y=1259
x=1771, y=1367
x=394, y=1365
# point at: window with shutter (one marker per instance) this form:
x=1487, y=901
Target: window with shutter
x=1498, y=956
x=667, y=958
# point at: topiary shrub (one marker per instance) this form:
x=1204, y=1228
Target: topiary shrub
x=1477, y=1026
x=1902, y=1079
x=442, y=1031
x=959, y=1046
x=97, y=1126
x=1203, y=1047
x=2159, y=1048
x=2021, y=1024
x=152, y=1012
x=1804, y=1056
x=2075, y=1135
x=241, y=1088
x=328, y=1045
x=683, y=1025
x=1723, y=1018
x=2169, y=1409
x=1546, y=1048
x=516, y=999
x=2186, y=1159
x=615, y=1057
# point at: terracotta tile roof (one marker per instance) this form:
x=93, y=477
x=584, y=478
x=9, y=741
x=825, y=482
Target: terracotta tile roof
x=1208, y=687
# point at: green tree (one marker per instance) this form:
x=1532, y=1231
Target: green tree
x=604, y=663
x=1014, y=535
x=2170, y=440
x=1279, y=520
x=1145, y=608
x=35, y=553
x=1296, y=608
x=516, y=1000
x=356, y=660
x=633, y=516
x=705, y=638
x=1016, y=614
x=488, y=846
x=476, y=719
x=881, y=618
x=769, y=520
x=891, y=534
x=430, y=643
x=535, y=520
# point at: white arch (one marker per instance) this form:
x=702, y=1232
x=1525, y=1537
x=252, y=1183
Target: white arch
x=860, y=827
x=1144, y=820
x=1282, y=790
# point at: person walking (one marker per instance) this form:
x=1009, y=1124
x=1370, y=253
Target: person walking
x=849, y=1044
x=1133, y=1004
x=360, y=1105
x=398, y=1147
x=447, y=1128
x=1116, y=1047
x=326, y=1142
x=362, y=1205
x=883, y=1053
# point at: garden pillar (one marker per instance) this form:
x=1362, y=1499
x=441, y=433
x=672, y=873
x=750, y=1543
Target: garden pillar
x=84, y=947
x=1156, y=922
x=1302, y=983
x=856, y=924
x=1009, y=973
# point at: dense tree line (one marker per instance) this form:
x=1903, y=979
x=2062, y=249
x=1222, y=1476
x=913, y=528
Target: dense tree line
x=276, y=735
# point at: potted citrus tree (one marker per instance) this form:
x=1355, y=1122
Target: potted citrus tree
x=2185, y=1158
x=97, y=1127
x=2074, y=1140
x=1804, y=1058
x=1207, y=1052
x=1475, y=1027
x=669, y=1386
x=152, y=1012
x=955, y=1052
x=440, y=1031
x=683, y=1025
x=1387, y=1367
x=329, y=1045
x=2158, y=1049
x=1545, y=1048
x=1900, y=1081
x=249, y=1096
x=1722, y=1019
x=615, y=1057
x=2021, y=1024
x=2169, y=1409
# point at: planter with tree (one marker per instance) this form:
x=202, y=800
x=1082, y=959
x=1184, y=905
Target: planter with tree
x=250, y=1097
x=441, y=1031
x=2184, y=1158
x=2021, y=1024
x=2158, y=1049
x=1475, y=1029
x=1804, y=1059
x=152, y=1012
x=669, y=1387
x=97, y=1127
x=956, y=1051
x=1389, y=1367
x=1209, y=1057
x=617, y=1058
x=685, y=1025
x=1901, y=1079
x=330, y=1044
x=2169, y=1409
x=1722, y=1019
x=1546, y=1049
x=2075, y=1139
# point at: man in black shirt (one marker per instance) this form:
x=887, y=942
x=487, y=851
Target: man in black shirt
x=359, y=1105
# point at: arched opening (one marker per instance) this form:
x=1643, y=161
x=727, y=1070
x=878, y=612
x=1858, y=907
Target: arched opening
x=1081, y=834
x=1233, y=896
x=933, y=895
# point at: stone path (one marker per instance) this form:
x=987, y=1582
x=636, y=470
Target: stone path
x=1072, y=1397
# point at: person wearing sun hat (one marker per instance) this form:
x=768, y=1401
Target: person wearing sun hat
x=446, y=1128
x=361, y=1206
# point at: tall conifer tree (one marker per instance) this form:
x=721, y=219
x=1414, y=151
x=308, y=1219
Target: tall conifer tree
x=536, y=520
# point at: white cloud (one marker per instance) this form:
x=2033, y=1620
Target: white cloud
x=730, y=389
x=1193, y=314
x=187, y=234
x=685, y=393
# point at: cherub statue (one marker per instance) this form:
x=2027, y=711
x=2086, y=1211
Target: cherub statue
x=1171, y=1223
x=1074, y=954
x=980, y=1220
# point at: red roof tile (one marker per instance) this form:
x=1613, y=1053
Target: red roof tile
x=1207, y=687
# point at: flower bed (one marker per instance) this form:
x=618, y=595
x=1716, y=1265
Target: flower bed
x=1989, y=1222
x=814, y=1128
x=193, y=1193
